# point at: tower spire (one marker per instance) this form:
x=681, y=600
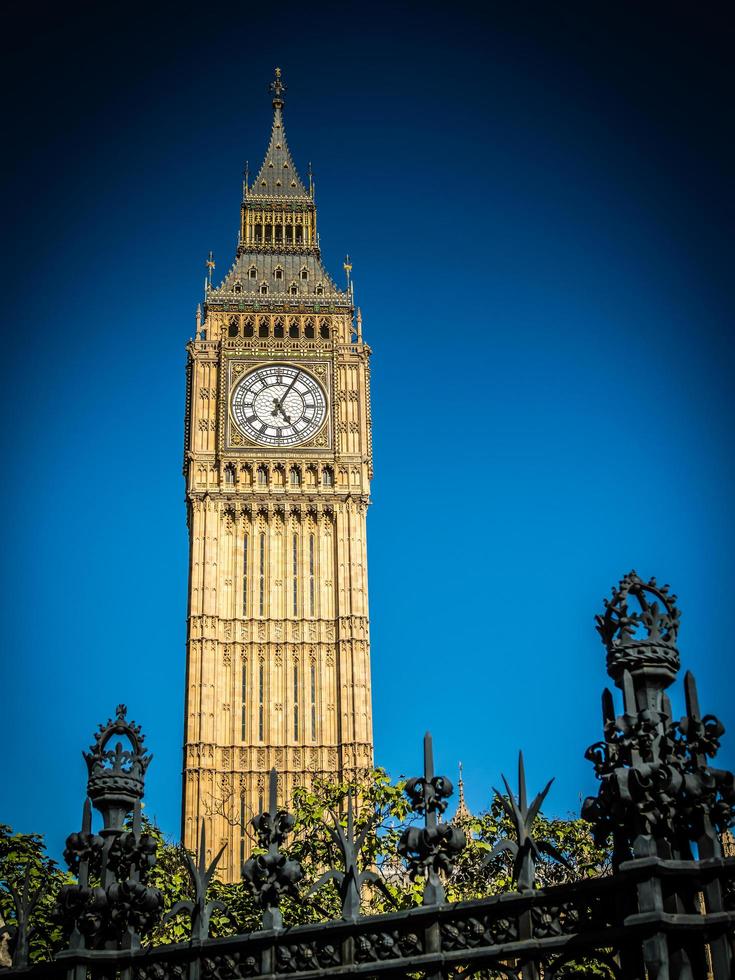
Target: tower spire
x=278, y=176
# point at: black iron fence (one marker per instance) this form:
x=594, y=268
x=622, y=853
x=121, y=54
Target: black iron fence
x=667, y=910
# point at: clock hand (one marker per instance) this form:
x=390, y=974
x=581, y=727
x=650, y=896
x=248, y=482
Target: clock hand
x=278, y=407
x=278, y=402
x=295, y=378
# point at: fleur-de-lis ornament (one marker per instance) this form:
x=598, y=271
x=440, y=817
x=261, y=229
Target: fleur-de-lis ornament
x=351, y=879
x=201, y=874
x=525, y=850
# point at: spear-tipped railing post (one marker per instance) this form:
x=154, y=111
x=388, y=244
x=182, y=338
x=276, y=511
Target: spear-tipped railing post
x=200, y=910
x=434, y=847
x=707, y=840
x=434, y=893
x=350, y=877
x=525, y=849
x=271, y=875
x=272, y=918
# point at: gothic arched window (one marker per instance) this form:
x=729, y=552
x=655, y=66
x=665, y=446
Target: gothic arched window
x=261, y=577
x=327, y=476
x=243, y=696
x=245, y=579
x=264, y=289
x=261, y=702
x=295, y=699
x=313, y=703
x=262, y=476
x=295, y=574
x=312, y=573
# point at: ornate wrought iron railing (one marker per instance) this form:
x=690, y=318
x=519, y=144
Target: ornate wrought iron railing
x=667, y=910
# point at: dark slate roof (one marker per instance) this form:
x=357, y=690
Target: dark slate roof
x=278, y=165
x=265, y=263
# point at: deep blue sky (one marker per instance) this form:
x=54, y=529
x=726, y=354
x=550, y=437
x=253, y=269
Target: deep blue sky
x=538, y=205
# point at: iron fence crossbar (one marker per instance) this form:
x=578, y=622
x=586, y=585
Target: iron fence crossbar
x=595, y=911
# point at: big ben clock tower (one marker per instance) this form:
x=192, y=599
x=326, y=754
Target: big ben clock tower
x=278, y=466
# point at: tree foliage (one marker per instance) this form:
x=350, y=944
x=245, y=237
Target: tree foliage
x=473, y=877
x=21, y=855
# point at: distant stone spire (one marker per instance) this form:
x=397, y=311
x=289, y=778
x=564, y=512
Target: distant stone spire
x=462, y=813
x=728, y=844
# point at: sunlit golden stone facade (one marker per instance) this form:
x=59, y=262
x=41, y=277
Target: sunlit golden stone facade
x=278, y=465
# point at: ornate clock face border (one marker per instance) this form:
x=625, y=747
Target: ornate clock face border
x=236, y=366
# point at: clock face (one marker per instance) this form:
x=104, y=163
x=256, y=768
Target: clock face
x=279, y=405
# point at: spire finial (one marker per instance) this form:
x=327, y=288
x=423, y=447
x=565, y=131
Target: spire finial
x=210, y=267
x=348, y=269
x=277, y=88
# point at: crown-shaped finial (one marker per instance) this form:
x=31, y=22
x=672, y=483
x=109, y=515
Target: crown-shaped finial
x=639, y=628
x=117, y=763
